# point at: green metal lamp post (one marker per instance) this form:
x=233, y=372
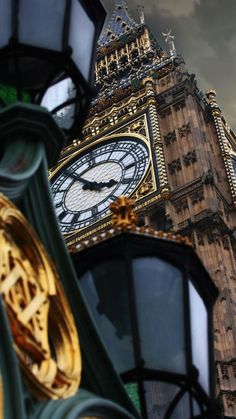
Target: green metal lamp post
x=46, y=46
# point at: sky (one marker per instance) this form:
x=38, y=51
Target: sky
x=205, y=35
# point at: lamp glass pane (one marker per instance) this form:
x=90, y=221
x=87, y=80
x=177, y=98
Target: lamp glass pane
x=159, y=301
x=5, y=22
x=106, y=291
x=81, y=37
x=159, y=396
x=41, y=23
x=182, y=409
x=199, y=336
x=57, y=95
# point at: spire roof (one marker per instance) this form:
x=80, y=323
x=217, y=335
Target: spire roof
x=119, y=24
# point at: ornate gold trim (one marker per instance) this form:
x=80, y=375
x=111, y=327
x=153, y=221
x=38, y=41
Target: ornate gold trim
x=223, y=141
x=123, y=212
x=37, y=306
x=85, y=147
x=123, y=221
x=94, y=143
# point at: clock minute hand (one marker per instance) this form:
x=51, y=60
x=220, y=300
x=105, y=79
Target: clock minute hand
x=87, y=183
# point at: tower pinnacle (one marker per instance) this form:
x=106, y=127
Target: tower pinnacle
x=119, y=24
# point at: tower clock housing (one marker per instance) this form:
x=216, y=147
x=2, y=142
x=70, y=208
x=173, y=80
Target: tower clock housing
x=153, y=135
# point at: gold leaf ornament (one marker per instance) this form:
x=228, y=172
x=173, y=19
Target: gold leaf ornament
x=42, y=325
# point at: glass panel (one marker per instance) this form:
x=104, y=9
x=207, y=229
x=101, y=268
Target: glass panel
x=199, y=334
x=182, y=409
x=55, y=96
x=159, y=396
x=41, y=23
x=8, y=94
x=132, y=390
x=159, y=300
x=105, y=289
x=5, y=22
x=81, y=38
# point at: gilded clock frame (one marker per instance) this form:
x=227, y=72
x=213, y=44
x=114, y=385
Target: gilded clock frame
x=147, y=183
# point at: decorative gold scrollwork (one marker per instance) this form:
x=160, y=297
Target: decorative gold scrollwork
x=42, y=325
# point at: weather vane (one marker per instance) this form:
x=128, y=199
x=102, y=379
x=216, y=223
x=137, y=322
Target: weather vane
x=140, y=9
x=170, y=40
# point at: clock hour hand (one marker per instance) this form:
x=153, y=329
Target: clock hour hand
x=108, y=184
x=97, y=186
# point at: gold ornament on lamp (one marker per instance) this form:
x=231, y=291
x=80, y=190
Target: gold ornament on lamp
x=37, y=306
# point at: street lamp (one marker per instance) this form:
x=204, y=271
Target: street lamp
x=152, y=299
x=47, y=52
x=45, y=45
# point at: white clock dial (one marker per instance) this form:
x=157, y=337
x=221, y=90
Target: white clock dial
x=85, y=185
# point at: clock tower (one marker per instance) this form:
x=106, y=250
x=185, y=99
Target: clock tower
x=153, y=135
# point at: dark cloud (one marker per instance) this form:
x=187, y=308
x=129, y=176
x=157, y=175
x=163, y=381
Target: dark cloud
x=205, y=34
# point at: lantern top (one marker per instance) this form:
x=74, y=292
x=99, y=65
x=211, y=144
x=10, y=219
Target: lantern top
x=124, y=220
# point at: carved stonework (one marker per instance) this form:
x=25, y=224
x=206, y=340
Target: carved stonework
x=181, y=205
x=200, y=239
x=190, y=158
x=178, y=106
x=174, y=166
x=165, y=113
x=226, y=242
x=210, y=237
x=208, y=177
x=184, y=131
x=169, y=138
x=197, y=197
x=137, y=127
x=35, y=303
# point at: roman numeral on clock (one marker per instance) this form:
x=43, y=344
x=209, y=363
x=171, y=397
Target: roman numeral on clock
x=62, y=215
x=91, y=160
x=130, y=165
x=76, y=217
x=94, y=210
x=113, y=197
x=127, y=180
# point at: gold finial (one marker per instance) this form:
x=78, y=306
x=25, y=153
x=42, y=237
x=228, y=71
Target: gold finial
x=124, y=216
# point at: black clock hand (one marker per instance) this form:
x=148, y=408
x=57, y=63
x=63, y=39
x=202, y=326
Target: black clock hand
x=109, y=184
x=97, y=186
x=87, y=183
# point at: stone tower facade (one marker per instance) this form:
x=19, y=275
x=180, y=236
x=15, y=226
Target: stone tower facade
x=191, y=186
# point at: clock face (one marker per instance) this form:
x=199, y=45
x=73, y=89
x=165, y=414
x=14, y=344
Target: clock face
x=84, y=186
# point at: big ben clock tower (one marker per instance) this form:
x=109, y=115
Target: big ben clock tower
x=153, y=135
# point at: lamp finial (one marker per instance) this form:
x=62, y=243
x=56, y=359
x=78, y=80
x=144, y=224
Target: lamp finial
x=124, y=216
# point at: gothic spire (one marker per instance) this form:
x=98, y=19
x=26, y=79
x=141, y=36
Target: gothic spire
x=119, y=24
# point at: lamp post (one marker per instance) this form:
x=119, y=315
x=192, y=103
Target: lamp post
x=152, y=301
x=45, y=45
